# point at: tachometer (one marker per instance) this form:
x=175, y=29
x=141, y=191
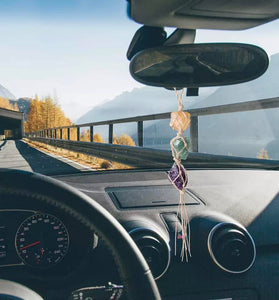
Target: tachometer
x=42, y=240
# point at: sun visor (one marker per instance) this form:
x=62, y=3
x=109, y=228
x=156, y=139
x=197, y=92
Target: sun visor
x=206, y=14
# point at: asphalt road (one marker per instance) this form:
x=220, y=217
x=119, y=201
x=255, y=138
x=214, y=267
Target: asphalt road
x=19, y=155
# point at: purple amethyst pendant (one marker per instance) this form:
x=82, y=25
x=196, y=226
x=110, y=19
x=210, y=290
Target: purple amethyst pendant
x=178, y=176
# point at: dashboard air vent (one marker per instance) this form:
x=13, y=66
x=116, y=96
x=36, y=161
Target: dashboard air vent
x=231, y=247
x=154, y=248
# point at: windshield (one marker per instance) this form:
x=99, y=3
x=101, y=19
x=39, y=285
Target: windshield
x=63, y=64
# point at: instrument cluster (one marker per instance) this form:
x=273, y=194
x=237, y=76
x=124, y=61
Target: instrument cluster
x=36, y=239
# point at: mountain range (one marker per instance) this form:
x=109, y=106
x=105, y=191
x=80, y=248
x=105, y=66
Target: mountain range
x=5, y=93
x=242, y=134
x=22, y=103
x=139, y=101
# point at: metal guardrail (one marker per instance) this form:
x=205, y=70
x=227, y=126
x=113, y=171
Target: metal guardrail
x=132, y=155
x=153, y=158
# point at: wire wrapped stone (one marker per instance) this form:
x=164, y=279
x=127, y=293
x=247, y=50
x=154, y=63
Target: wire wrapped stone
x=178, y=176
x=180, y=148
x=180, y=120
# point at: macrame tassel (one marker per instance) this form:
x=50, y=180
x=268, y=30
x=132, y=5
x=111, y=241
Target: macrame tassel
x=180, y=121
x=185, y=229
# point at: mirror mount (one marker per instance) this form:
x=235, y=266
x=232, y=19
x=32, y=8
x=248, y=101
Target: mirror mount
x=192, y=92
x=149, y=37
x=144, y=38
x=181, y=36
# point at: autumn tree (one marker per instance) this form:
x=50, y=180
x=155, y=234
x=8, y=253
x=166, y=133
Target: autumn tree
x=85, y=136
x=45, y=113
x=5, y=103
x=98, y=138
x=123, y=139
x=35, y=117
x=262, y=154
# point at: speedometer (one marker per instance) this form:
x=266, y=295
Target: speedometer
x=42, y=240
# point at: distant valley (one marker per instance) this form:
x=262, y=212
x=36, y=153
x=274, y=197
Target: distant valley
x=241, y=134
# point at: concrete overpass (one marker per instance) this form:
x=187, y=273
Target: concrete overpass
x=12, y=120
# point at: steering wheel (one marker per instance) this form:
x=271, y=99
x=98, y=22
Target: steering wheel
x=133, y=269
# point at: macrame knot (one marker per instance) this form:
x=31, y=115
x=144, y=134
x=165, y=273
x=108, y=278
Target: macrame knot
x=180, y=121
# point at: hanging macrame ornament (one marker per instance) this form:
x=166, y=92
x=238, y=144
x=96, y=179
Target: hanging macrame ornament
x=180, y=121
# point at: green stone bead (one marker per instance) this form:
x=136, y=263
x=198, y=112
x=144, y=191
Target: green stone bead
x=187, y=139
x=180, y=149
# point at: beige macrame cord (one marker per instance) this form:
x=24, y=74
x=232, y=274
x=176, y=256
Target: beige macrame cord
x=182, y=209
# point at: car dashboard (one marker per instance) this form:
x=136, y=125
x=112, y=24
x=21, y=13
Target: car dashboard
x=234, y=235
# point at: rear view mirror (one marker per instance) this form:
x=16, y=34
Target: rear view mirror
x=198, y=65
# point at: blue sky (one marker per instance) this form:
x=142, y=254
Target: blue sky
x=76, y=49
x=61, y=10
